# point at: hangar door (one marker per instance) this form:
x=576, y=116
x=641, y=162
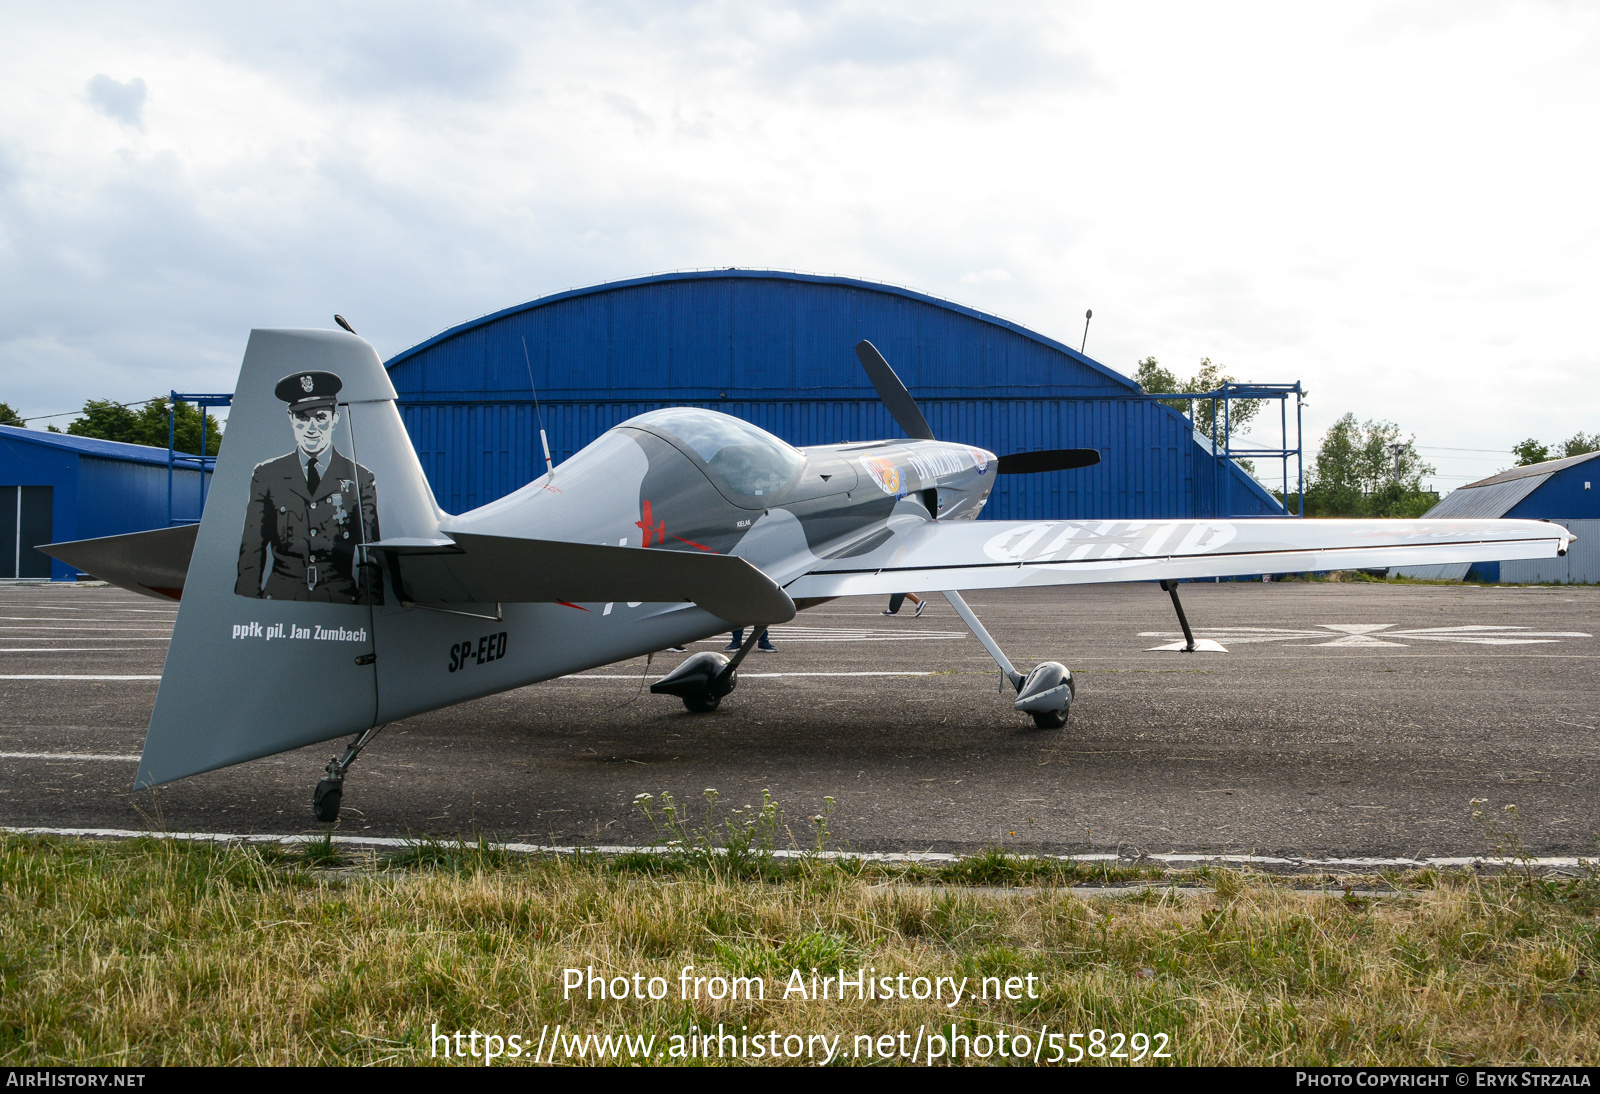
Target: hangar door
x=24, y=521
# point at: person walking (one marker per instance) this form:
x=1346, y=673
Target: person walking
x=763, y=643
x=900, y=598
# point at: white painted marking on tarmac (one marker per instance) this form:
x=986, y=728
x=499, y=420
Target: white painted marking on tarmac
x=1346, y=635
x=783, y=633
x=124, y=756
x=69, y=619
x=102, y=608
x=115, y=630
x=1549, y=862
x=68, y=676
x=114, y=637
x=575, y=676
x=1201, y=645
x=742, y=675
x=1359, y=634
x=759, y=675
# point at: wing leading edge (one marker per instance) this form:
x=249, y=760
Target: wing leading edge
x=935, y=556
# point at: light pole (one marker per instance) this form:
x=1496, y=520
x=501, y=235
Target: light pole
x=1397, y=449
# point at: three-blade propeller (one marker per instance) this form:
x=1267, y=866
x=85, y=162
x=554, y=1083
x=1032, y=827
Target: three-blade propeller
x=904, y=410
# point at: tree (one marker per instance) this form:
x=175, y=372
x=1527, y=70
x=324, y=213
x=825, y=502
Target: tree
x=1532, y=451
x=147, y=425
x=109, y=422
x=1580, y=443
x=1365, y=470
x=1151, y=377
x=11, y=417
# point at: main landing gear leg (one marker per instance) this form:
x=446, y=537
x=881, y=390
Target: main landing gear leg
x=325, y=800
x=1046, y=693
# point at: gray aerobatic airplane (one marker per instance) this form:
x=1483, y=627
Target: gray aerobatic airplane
x=300, y=621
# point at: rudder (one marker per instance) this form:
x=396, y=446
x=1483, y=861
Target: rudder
x=273, y=647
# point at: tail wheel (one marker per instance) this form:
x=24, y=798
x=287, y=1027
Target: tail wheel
x=325, y=802
x=702, y=704
x=1049, y=719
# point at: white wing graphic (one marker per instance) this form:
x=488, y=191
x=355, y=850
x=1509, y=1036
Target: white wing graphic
x=934, y=556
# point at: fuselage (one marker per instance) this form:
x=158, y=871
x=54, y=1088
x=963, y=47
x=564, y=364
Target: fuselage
x=696, y=480
x=683, y=480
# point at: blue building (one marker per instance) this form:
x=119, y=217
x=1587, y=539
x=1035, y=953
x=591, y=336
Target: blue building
x=1564, y=491
x=777, y=349
x=54, y=487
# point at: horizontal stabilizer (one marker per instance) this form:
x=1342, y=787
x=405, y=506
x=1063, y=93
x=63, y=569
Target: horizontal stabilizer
x=1056, y=459
x=478, y=569
x=154, y=563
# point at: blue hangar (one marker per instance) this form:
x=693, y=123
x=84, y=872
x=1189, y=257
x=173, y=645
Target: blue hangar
x=777, y=349
x=1565, y=491
x=56, y=486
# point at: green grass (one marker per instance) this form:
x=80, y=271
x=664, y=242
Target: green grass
x=1358, y=577
x=160, y=952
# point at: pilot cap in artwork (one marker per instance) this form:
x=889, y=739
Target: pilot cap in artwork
x=309, y=390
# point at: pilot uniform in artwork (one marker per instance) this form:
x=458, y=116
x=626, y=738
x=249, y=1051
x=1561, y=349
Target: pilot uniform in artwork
x=309, y=510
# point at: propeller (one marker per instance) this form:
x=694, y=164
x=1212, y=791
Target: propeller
x=903, y=409
x=901, y=406
x=1056, y=459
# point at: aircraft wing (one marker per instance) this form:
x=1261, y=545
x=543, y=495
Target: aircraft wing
x=469, y=568
x=935, y=556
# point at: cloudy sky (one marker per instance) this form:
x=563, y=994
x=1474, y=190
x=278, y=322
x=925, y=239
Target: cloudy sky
x=1395, y=204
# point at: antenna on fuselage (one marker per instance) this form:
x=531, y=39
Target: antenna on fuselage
x=544, y=442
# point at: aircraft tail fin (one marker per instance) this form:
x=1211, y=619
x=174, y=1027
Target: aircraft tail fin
x=274, y=645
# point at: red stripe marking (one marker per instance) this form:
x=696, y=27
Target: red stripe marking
x=580, y=607
x=692, y=543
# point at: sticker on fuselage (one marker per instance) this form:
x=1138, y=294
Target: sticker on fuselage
x=311, y=510
x=884, y=472
x=488, y=647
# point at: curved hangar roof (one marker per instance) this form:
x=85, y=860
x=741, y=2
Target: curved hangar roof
x=777, y=349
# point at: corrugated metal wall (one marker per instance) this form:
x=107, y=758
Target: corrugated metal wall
x=1580, y=566
x=1567, y=493
x=118, y=496
x=778, y=350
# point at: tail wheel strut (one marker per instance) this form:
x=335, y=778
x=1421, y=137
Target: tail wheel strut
x=326, y=798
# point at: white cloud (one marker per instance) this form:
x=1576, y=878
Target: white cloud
x=1393, y=206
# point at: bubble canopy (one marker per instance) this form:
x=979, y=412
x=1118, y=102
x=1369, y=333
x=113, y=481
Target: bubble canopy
x=742, y=458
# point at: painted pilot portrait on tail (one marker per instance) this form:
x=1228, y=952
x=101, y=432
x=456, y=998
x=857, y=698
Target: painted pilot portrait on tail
x=311, y=510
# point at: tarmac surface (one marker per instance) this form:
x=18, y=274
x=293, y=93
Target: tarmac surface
x=1346, y=719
